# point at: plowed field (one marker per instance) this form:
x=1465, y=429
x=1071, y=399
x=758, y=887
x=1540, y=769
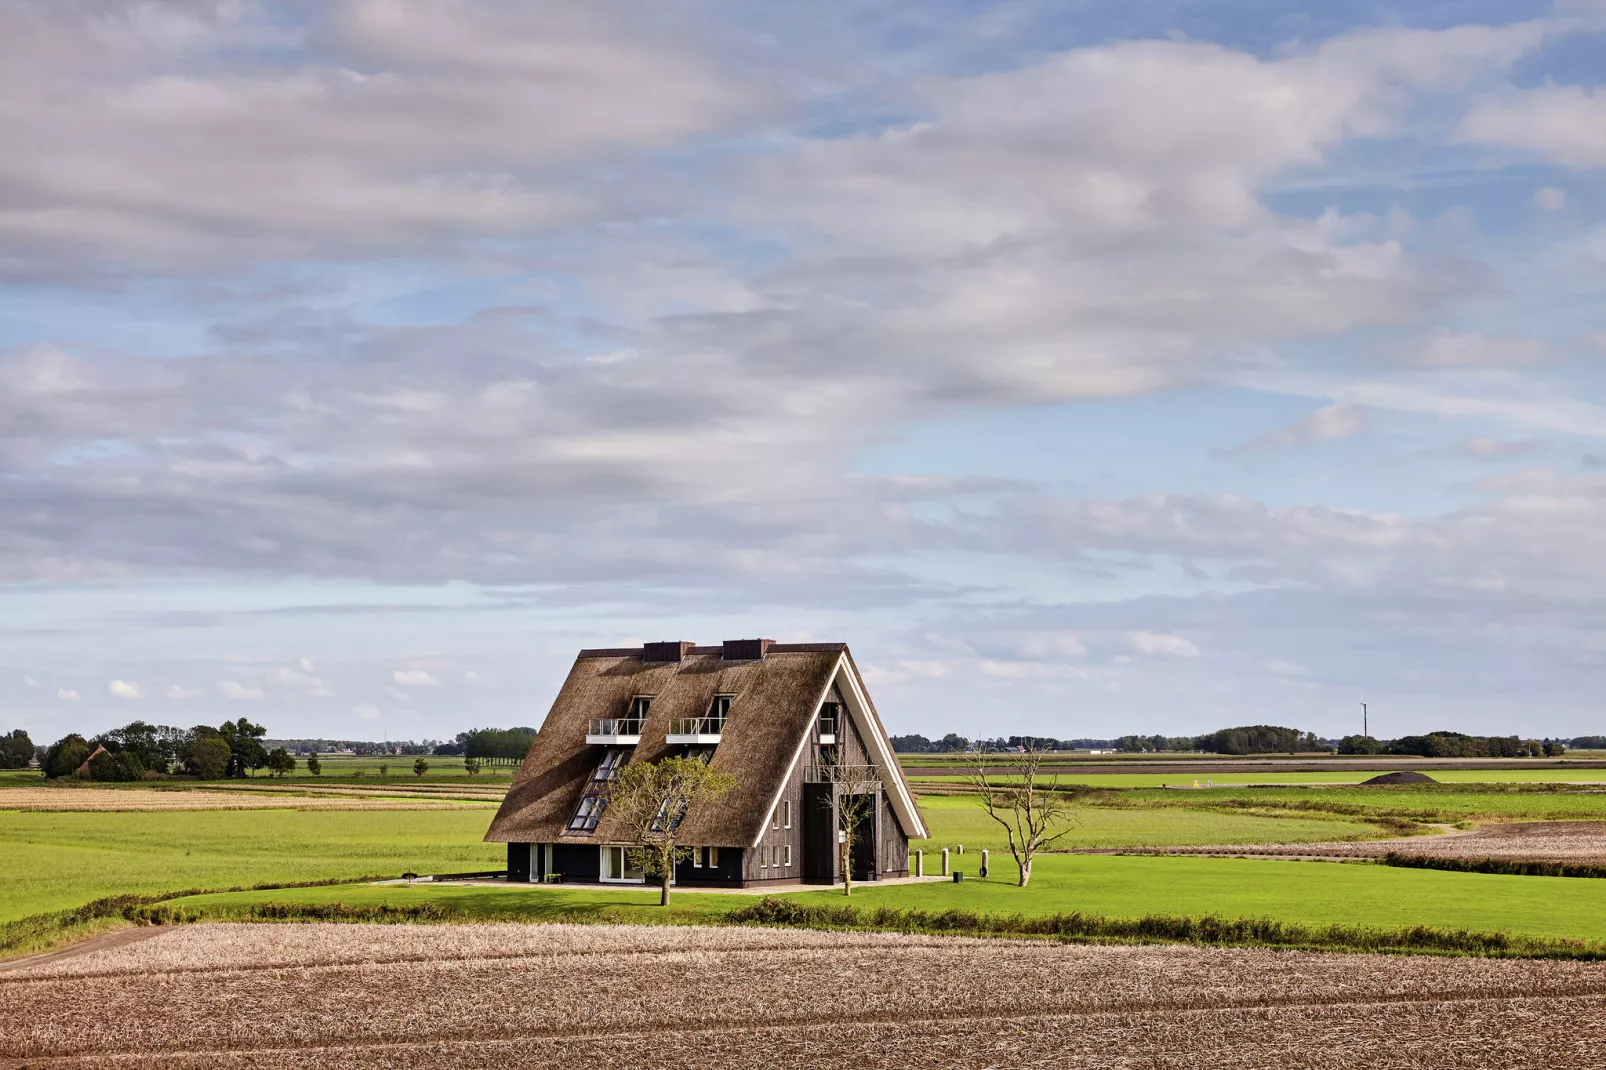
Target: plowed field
x=515, y=996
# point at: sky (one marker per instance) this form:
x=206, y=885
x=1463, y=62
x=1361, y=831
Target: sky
x=1089, y=368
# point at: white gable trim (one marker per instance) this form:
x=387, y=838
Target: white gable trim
x=903, y=803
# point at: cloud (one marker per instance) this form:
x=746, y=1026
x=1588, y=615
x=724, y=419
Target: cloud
x=67, y=694
x=1549, y=199
x=1566, y=124
x=1329, y=423
x=366, y=712
x=306, y=665
x=1444, y=348
x=397, y=125
x=123, y=689
x=471, y=677
x=414, y=678
x=1158, y=644
x=235, y=691
x=30, y=681
x=1284, y=668
x=179, y=693
x=1488, y=449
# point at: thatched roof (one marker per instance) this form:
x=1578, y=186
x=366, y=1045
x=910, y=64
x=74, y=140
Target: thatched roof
x=777, y=697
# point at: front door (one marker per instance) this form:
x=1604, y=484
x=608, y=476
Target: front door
x=863, y=858
x=616, y=866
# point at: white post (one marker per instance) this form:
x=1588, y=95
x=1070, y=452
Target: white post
x=945, y=861
x=960, y=849
x=983, y=870
x=920, y=863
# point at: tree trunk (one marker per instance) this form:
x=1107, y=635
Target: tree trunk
x=663, y=899
x=1025, y=872
x=847, y=869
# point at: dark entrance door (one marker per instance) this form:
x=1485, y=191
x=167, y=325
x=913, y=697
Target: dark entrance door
x=863, y=858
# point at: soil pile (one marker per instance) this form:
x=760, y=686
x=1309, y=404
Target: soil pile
x=1404, y=776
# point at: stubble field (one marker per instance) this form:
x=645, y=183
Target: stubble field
x=291, y=996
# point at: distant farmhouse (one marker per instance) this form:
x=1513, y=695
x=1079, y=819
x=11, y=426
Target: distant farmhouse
x=776, y=716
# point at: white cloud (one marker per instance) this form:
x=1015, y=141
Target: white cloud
x=1550, y=199
x=1284, y=668
x=471, y=677
x=67, y=694
x=30, y=681
x=398, y=694
x=1326, y=424
x=1488, y=449
x=1566, y=124
x=231, y=689
x=306, y=665
x=123, y=689
x=179, y=693
x=366, y=712
x=414, y=678
x=1161, y=644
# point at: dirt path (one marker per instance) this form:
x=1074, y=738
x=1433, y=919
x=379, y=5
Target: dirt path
x=103, y=942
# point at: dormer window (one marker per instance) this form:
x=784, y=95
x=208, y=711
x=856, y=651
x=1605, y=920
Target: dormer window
x=638, y=710
x=719, y=709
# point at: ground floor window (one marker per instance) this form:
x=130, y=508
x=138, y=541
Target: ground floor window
x=616, y=866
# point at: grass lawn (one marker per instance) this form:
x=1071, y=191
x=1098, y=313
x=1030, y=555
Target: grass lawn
x=959, y=819
x=1315, y=893
x=52, y=861
x=1325, y=776
x=1513, y=802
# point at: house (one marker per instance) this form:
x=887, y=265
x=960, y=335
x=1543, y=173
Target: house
x=778, y=717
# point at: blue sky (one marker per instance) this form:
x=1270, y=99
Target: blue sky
x=1090, y=368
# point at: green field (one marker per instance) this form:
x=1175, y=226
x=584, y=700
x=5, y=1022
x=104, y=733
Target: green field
x=1093, y=778
x=1430, y=803
x=959, y=819
x=52, y=861
x=1315, y=893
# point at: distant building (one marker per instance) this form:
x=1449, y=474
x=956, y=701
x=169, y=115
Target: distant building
x=775, y=716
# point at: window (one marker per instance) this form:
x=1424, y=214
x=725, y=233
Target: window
x=763, y=859
x=608, y=768
x=719, y=709
x=616, y=866
x=786, y=814
x=775, y=817
x=787, y=854
x=696, y=858
x=590, y=810
x=713, y=858
x=638, y=709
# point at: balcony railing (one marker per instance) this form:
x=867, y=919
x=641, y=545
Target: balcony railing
x=855, y=779
x=695, y=730
x=618, y=730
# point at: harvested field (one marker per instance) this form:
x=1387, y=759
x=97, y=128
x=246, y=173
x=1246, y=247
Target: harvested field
x=504, y=996
x=1581, y=842
x=108, y=800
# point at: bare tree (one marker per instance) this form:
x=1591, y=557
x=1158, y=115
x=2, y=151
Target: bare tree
x=854, y=788
x=651, y=800
x=1017, y=795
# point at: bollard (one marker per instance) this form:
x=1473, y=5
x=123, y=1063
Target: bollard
x=945, y=861
x=920, y=863
x=982, y=873
x=960, y=849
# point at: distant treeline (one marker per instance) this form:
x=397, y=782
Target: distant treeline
x=141, y=751
x=494, y=745
x=1267, y=739
x=359, y=747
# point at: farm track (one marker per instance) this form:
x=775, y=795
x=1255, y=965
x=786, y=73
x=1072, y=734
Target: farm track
x=682, y=997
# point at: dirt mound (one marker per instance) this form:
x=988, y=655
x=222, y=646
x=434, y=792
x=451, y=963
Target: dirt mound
x=1402, y=777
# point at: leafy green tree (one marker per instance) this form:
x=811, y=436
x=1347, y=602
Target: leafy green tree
x=314, y=766
x=1360, y=745
x=245, y=746
x=16, y=750
x=471, y=766
x=65, y=756
x=113, y=765
x=650, y=799
x=280, y=763
x=157, y=746
x=207, y=755
x=420, y=767
x=384, y=769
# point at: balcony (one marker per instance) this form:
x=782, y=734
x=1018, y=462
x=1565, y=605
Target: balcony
x=614, y=731
x=695, y=730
